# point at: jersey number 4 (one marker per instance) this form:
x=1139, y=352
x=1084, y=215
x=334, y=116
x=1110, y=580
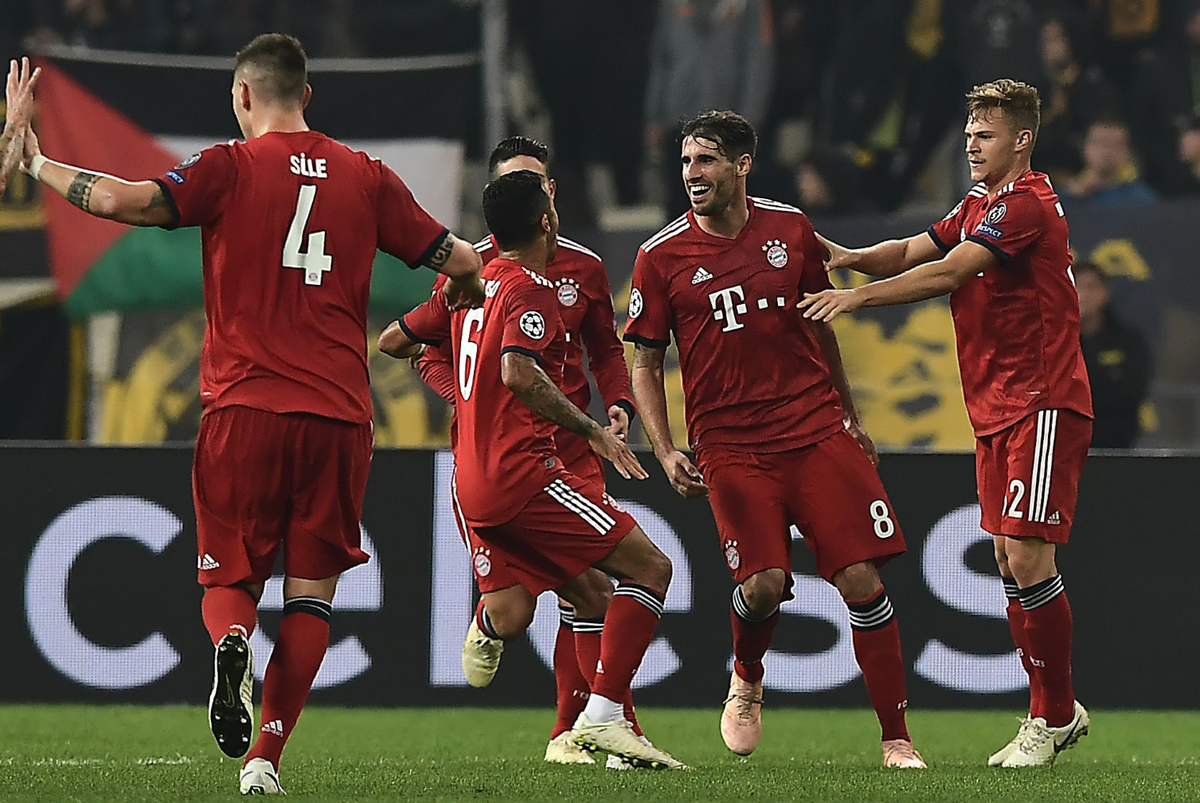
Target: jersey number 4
x=314, y=262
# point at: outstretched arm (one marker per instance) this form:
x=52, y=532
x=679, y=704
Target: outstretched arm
x=888, y=258
x=923, y=282
x=136, y=203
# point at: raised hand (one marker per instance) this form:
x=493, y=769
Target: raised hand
x=18, y=94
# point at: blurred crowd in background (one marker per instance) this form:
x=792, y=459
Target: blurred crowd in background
x=854, y=99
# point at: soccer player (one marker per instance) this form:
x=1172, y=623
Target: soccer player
x=18, y=110
x=585, y=303
x=290, y=221
x=1003, y=256
x=524, y=508
x=770, y=417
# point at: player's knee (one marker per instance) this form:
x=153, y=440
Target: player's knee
x=764, y=591
x=591, y=595
x=657, y=571
x=858, y=582
x=1002, y=561
x=1030, y=561
x=511, y=617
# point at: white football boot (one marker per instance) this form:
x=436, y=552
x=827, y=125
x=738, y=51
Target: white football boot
x=563, y=750
x=1042, y=744
x=998, y=757
x=617, y=738
x=259, y=778
x=480, y=656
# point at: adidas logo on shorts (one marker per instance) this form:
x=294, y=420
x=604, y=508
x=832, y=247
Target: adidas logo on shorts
x=207, y=562
x=1054, y=518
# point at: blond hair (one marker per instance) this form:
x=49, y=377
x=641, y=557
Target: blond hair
x=1020, y=102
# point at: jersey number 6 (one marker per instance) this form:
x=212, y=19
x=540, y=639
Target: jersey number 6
x=468, y=352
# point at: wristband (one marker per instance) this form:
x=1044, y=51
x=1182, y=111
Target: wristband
x=35, y=166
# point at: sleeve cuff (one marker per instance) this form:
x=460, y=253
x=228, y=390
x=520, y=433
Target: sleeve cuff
x=995, y=249
x=162, y=185
x=945, y=249
x=627, y=406
x=428, y=253
x=411, y=336
x=522, y=350
x=648, y=342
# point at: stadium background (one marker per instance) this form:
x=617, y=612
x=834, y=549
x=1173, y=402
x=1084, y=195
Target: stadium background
x=100, y=330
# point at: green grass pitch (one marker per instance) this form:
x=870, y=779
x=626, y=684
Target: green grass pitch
x=85, y=753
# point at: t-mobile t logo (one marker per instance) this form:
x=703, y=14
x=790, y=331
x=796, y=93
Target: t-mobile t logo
x=726, y=308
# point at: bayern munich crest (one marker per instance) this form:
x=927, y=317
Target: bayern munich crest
x=732, y=557
x=776, y=251
x=568, y=293
x=483, y=564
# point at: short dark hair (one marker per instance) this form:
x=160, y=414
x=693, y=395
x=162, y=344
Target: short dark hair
x=513, y=206
x=731, y=133
x=513, y=147
x=279, y=63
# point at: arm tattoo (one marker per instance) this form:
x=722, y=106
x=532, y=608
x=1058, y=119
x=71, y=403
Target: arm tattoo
x=442, y=254
x=544, y=398
x=80, y=192
x=159, y=199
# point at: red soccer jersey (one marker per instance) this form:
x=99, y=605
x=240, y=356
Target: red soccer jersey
x=1016, y=324
x=754, y=377
x=290, y=223
x=505, y=452
x=585, y=304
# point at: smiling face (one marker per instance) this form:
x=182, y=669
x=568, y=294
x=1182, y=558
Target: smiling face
x=713, y=181
x=994, y=146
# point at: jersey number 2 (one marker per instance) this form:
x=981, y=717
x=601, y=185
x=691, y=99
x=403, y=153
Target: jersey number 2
x=314, y=262
x=468, y=352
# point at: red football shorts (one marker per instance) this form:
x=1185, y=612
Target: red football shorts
x=1028, y=475
x=562, y=531
x=263, y=480
x=587, y=467
x=828, y=489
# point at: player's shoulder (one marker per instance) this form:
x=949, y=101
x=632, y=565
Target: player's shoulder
x=509, y=276
x=484, y=245
x=667, y=233
x=770, y=207
x=578, y=252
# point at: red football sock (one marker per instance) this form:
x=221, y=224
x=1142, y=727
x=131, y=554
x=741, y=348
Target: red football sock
x=572, y=688
x=751, y=638
x=1048, y=626
x=877, y=650
x=587, y=649
x=1016, y=624
x=225, y=608
x=628, y=630
x=303, y=639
